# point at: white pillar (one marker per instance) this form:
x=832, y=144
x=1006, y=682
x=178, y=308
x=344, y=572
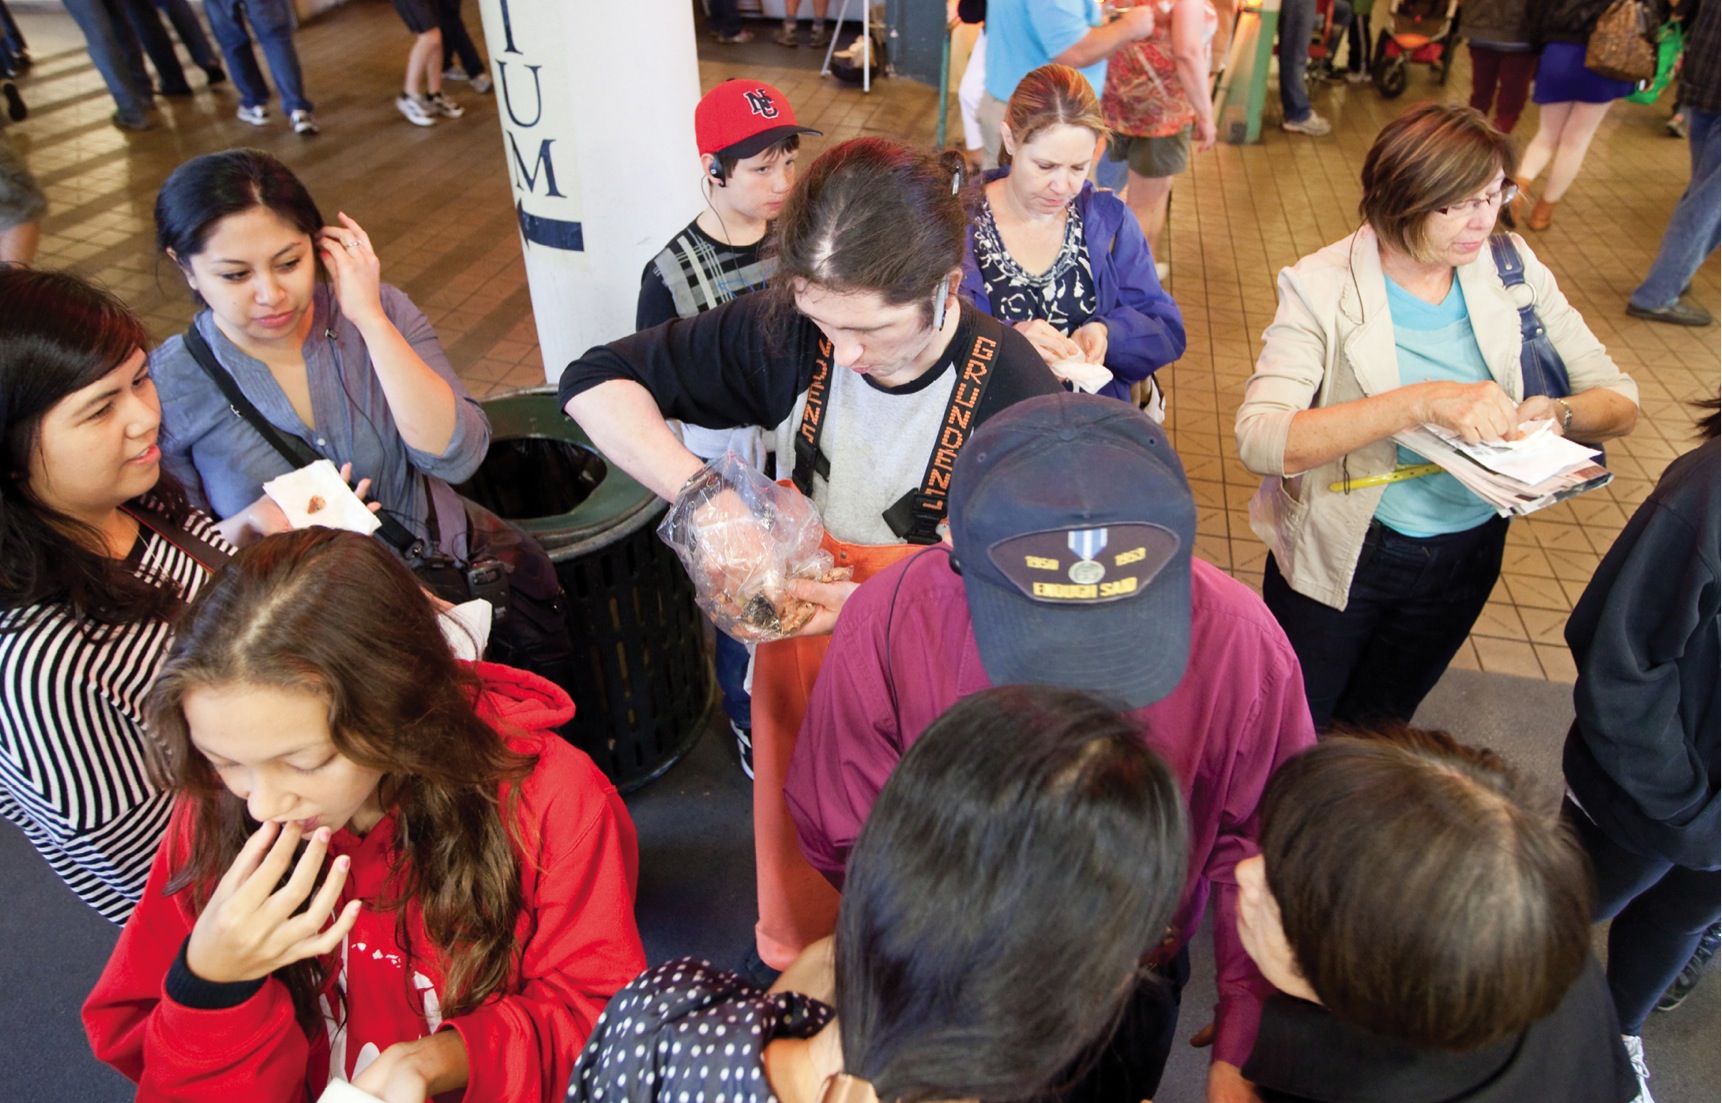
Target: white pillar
x=597, y=108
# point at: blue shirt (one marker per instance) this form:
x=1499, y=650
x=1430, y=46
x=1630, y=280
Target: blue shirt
x=1434, y=343
x=1023, y=35
x=224, y=462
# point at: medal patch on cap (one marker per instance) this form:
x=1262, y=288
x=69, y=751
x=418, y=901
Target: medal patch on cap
x=1079, y=566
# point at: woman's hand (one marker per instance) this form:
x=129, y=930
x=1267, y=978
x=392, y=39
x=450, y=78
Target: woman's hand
x=1540, y=407
x=251, y=524
x=411, y=1072
x=248, y=929
x=1091, y=339
x=1206, y=134
x=354, y=269
x=1476, y=411
x=829, y=597
x=1052, y=345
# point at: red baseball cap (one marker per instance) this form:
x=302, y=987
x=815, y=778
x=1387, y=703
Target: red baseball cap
x=739, y=118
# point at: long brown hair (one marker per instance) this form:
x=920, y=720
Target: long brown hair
x=873, y=214
x=335, y=615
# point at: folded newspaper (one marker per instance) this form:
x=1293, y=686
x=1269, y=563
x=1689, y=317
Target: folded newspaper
x=1515, y=477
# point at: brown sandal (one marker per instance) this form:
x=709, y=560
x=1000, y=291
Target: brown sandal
x=1541, y=215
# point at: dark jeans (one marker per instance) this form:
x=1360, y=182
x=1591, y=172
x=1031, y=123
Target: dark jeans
x=1412, y=603
x=146, y=23
x=272, y=22
x=1505, y=79
x=1297, y=24
x=456, y=41
x=730, y=662
x=1128, y=1066
x=724, y=17
x=1660, y=910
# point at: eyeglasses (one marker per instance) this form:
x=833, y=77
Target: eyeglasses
x=1469, y=207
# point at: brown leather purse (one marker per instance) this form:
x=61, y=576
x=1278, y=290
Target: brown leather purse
x=1620, y=46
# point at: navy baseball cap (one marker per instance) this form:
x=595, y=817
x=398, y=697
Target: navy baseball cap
x=1073, y=526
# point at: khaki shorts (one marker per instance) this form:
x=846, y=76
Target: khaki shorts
x=1166, y=156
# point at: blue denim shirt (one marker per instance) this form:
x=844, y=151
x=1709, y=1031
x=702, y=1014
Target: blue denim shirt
x=224, y=462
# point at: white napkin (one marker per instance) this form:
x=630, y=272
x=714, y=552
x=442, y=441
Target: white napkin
x=466, y=627
x=339, y=1091
x=317, y=495
x=1087, y=377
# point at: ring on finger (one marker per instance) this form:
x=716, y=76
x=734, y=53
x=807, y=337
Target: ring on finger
x=353, y=245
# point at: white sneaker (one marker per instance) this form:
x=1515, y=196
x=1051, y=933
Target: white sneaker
x=1162, y=270
x=1314, y=125
x=481, y=84
x=418, y=112
x=256, y=116
x=1356, y=76
x=454, y=72
x=304, y=123
x=440, y=102
x=1635, y=1053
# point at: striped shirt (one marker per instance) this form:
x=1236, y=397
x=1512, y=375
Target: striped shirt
x=73, y=748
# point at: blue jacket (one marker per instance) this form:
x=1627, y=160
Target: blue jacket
x=1144, y=330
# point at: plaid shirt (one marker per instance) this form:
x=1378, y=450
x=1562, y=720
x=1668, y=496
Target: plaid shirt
x=1699, y=78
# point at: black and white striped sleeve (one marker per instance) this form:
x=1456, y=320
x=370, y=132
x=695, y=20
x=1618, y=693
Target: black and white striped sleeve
x=73, y=746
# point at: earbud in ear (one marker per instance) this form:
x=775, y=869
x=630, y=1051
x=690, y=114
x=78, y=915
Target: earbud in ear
x=715, y=168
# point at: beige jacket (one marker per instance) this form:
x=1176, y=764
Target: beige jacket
x=1332, y=342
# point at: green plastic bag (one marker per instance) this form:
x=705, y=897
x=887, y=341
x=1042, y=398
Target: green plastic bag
x=1670, y=43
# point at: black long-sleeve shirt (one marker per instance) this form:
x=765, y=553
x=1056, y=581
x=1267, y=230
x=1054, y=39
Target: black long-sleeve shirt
x=743, y=364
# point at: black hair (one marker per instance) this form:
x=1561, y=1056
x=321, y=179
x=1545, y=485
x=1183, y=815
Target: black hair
x=1421, y=894
x=874, y=214
x=786, y=145
x=60, y=334
x=204, y=190
x=1022, y=858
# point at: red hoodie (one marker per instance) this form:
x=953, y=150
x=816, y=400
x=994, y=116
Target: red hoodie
x=580, y=945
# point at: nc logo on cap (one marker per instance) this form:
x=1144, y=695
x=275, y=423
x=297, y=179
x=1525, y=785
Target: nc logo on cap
x=761, y=104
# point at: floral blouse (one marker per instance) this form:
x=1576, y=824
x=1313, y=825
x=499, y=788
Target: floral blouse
x=1063, y=294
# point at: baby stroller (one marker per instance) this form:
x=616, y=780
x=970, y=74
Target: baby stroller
x=1422, y=33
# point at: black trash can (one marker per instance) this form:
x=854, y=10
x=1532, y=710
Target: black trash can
x=644, y=688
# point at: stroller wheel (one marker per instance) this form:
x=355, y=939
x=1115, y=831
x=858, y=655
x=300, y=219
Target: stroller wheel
x=1444, y=67
x=1391, y=77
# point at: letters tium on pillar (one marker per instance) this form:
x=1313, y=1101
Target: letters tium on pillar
x=596, y=102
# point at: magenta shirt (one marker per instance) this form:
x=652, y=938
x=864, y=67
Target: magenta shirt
x=1238, y=713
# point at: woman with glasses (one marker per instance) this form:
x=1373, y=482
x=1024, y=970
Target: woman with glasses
x=1377, y=579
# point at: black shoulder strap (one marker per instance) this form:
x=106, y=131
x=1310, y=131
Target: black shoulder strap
x=291, y=448
x=916, y=515
x=200, y=551
x=809, y=460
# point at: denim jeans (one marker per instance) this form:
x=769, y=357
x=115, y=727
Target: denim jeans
x=456, y=40
x=730, y=662
x=117, y=56
x=1693, y=228
x=1660, y=911
x=190, y=32
x=1412, y=603
x=272, y=22
x=147, y=25
x=1297, y=23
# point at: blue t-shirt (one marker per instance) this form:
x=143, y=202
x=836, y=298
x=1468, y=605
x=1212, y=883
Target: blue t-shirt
x=1023, y=35
x=1435, y=343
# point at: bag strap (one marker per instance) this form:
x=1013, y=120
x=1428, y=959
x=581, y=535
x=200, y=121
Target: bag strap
x=200, y=551
x=809, y=460
x=291, y=448
x=916, y=515
x=1543, y=373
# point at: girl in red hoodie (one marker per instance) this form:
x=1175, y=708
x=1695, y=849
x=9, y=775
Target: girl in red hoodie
x=382, y=867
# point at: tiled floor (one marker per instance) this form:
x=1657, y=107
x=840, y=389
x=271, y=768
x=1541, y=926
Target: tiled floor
x=436, y=202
